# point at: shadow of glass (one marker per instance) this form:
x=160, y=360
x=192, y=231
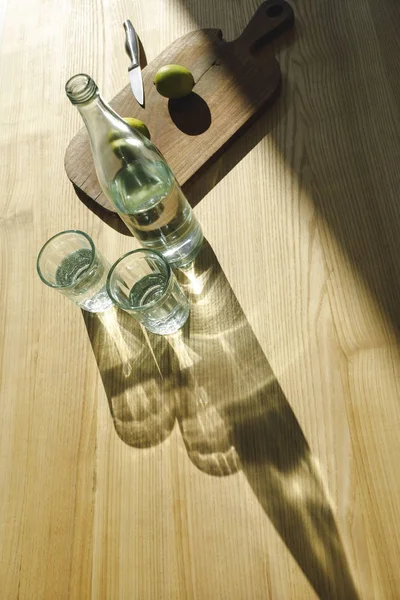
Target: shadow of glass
x=215, y=379
x=135, y=367
x=233, y=414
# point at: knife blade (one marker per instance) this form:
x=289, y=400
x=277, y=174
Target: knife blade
x=134, y=70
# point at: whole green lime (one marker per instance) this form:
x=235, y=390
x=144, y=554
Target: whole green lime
x=138, y=125
x=134, y=124
x=174, y=81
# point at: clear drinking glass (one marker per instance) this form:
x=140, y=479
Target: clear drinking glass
x=70, y=263
x=142, y=283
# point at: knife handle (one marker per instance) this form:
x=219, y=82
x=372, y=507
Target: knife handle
x=131, y=44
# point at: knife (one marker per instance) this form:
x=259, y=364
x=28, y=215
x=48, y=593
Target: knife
x=134, y=70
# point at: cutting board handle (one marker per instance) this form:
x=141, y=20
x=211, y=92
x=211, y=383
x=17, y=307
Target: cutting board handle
x=271, y=19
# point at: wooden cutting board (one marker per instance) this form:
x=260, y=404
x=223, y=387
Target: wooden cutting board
x=234, y=81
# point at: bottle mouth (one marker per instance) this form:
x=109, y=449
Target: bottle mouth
x=81, y=88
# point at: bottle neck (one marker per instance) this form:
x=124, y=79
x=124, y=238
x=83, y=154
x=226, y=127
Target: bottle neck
x=98, y=117
x=105, y=126
x=114, y=144
x=96, y=111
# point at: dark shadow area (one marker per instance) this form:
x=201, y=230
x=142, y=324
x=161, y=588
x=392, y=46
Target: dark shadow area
x=339, y=135
x=347, y=147
x=190, y=114
x=135, y=368
x=256, y=130
x=233, y=413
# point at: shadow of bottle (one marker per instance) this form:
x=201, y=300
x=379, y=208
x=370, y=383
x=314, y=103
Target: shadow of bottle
x=233, y=414
x=135, y=367
x=215, y=379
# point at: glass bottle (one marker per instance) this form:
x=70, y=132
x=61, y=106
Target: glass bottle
x=136, y=179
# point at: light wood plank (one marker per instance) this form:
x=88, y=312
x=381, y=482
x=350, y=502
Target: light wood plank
x=305, y=232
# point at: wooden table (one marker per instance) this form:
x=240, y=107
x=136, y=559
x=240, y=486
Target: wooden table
x=256, y=455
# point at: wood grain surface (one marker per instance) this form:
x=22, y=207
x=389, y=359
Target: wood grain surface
x=255, y=454
x=193, y=131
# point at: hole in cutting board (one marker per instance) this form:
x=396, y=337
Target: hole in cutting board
x=275, y=10
x=190, y=114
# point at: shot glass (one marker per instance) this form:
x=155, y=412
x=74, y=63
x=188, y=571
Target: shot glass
x=70, y=263
x=142, y=283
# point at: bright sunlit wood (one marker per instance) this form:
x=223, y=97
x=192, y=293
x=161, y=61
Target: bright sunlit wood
x=255, y=455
